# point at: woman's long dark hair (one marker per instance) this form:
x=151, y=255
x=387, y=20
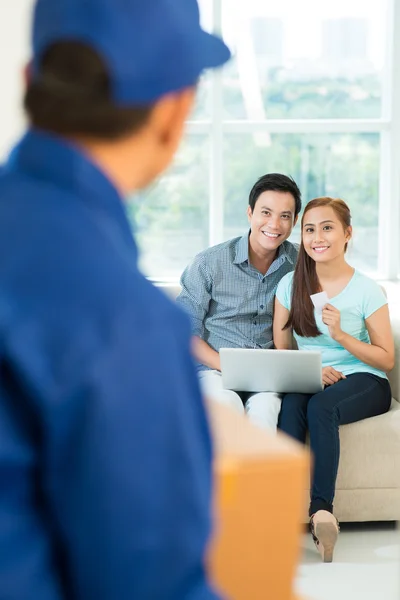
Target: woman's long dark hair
x=305, y=279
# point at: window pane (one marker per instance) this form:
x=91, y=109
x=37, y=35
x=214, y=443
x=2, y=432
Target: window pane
x=202, y=105
x=206, y=14
x=308, y=59
x=201, y=110
x=171, y=218
x=341, y=166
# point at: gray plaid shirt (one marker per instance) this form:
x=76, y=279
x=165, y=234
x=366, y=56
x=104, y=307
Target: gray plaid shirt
x=229, y=301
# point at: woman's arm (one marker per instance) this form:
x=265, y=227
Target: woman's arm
x=204, y=354
x=283, y=338
x=380, y=352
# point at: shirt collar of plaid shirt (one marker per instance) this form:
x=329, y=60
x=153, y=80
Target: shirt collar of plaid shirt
x=242, y=251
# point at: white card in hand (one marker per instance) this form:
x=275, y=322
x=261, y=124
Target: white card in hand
x=319, y=301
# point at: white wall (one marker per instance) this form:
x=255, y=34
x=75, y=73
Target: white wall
x=15, y=16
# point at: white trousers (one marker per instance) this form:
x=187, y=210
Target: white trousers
x=261, y=408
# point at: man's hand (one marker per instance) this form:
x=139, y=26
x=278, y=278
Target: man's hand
x=205, y=355
x=331, y=376
x=331, y=318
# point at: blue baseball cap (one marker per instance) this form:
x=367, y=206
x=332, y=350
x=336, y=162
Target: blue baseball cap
x=150, y=47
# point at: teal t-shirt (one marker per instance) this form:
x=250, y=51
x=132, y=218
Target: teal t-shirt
x=357, y=301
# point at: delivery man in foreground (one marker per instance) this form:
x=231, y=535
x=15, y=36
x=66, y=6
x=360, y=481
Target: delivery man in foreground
x=105, y=455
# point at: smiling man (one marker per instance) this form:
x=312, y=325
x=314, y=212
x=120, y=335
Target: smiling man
x=229, y=292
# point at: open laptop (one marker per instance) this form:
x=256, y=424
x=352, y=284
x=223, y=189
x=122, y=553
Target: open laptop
x=281, y=371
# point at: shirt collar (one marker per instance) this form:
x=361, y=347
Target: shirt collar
x=50, y=158
x=242, y=251
x=283, y=252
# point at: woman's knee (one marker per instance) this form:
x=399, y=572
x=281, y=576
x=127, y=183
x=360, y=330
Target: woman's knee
x=319, y=409
x=294, y=403
x=293, y=412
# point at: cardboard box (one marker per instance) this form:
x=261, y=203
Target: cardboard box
x=260, y=482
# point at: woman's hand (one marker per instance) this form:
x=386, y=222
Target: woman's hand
x=331, y=376
x=331, y=318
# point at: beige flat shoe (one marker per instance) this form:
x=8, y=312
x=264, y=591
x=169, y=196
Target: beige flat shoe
x=324, y=530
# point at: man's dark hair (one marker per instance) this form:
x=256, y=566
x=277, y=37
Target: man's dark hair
x=275, y=182
x=71, y=96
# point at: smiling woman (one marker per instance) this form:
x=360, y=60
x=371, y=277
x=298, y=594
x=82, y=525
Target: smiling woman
x=326, y=232
x=353, y=335
x=324, y=237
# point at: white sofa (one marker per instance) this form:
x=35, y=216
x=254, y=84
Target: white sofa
x=368, y=484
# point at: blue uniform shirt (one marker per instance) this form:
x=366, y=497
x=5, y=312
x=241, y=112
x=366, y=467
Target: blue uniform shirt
x=105, y=456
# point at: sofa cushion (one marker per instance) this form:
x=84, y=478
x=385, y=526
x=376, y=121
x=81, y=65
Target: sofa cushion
x=370, y=452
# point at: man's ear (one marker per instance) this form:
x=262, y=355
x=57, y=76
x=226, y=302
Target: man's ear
x=295, y=220
x=249, y=213
x=27, y=73
x=169, y=115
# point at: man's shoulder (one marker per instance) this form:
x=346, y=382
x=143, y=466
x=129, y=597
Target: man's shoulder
x=221, y=249
x=291, y=249
x=219, y=254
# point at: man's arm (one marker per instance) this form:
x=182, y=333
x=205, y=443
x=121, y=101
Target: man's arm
x=131, y=498
x=195, y=297
x=283, y=338
x=205, y=355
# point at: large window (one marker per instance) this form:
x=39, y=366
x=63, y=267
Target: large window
x=312, y=91
x=172, y=217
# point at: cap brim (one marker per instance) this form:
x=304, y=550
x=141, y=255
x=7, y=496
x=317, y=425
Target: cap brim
x=213, y=52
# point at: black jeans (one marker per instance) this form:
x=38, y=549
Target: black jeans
x=359, y=396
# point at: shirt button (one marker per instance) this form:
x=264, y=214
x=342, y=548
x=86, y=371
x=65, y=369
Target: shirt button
x=261, y=306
